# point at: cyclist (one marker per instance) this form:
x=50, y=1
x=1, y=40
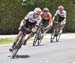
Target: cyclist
x=46, y=18
x=32, y=19
x=61, y=17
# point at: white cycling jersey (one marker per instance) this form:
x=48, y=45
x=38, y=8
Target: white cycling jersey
x=63, y=14
x=32, y=18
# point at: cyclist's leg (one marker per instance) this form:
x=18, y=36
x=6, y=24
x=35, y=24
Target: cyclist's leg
x=29, y=36
x=32, y=26
x=19, y=34
x=62, y=24
x=17, y=38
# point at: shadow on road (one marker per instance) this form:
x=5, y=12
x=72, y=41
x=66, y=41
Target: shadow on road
x=22, y=56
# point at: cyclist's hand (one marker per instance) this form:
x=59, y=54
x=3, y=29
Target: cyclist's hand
x=33, y=30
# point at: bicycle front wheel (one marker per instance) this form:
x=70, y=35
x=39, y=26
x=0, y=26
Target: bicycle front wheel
x=17, y=46
x=14, y=52
x=53, y=35
x=36, y=40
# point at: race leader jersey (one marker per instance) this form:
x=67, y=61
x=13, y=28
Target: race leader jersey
x=33, y=18
x=62, y=15
x=47, y=17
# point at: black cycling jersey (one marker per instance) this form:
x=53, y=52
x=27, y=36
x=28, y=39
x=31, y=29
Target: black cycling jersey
x=28, y=24
x=60, y=19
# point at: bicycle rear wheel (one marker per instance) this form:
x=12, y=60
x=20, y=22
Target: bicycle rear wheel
x=37, y=39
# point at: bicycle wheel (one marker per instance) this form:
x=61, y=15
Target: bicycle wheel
x=17, y=46
x=58, y=34
x=53, y=35
x=14, y=52
x=58, y=37
x=35, y=40
x=39, y=37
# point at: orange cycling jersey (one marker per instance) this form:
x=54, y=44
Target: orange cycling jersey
x=47, y=16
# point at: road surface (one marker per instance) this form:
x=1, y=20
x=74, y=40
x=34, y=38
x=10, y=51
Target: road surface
x=60, y=52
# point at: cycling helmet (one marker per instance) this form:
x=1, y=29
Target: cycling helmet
x=60, y=7
x=37, y=10
x=45, y=10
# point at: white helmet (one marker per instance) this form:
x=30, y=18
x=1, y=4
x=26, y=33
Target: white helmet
x=37, y=10
x=60, y=7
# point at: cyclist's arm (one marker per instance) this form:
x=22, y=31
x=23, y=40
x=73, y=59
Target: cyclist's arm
x=50, y=19
x=23, y=22
x=49, y=23
x=65, y=15
x=55, y=15
x=25, y=18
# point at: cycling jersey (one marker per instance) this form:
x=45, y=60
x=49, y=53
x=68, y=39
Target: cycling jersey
x=30, y=16
x=46, y=17
x=61, y=15
x=29, y=21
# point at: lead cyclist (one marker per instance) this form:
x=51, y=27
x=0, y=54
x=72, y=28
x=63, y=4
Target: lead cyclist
x=33, y=20
x=61, y=17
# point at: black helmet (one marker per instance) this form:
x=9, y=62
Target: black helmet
x=45, y=10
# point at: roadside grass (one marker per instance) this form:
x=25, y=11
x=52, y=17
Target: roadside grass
x=6, y=41
x=9, y=40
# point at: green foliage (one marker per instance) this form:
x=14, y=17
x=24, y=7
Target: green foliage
x=12, y=12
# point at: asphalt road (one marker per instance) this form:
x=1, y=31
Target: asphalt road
x=60, y=52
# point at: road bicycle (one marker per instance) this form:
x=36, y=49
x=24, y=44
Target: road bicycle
x=56, y=32
x=19, y=43
x=39, y=35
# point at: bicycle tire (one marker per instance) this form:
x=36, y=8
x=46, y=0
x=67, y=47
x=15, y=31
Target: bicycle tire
x=14, y=52
x=58, y=37
x=17, y=46
x=52, y=36
x=35, y=40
